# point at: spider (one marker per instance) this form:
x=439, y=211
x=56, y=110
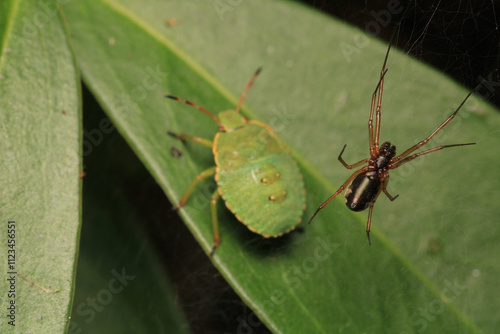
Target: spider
x=364, y=186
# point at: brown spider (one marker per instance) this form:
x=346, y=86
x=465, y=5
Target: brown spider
x=365, y=185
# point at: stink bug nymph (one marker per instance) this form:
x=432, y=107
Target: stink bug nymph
x=256, y=176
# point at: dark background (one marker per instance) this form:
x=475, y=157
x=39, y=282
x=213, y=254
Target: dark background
x=458, y=38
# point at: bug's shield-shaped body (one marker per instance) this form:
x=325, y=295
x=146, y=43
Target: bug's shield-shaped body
x=258, y=179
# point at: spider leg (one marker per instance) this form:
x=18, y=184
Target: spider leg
x=416, y=155
x=369, y=222
x=357, y=164
x=342, y=187
x=370, y=123
x=389, y=195
x=384, y=188
x=426, y=140
x=374, y=149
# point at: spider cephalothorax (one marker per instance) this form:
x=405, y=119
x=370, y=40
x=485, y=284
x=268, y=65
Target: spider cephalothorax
x=387, y=152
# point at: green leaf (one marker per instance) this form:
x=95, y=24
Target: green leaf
x=40, y=133
x=430, y=267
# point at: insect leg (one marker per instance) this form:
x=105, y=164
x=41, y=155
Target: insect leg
x=203, y=175
x=215, y=225
x=201, y=141
x=216, y=119
x=244, y=94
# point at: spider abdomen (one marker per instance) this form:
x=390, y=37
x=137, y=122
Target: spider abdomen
x=362, y=191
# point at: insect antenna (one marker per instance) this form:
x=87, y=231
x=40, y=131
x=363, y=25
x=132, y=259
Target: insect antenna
x=244, y=94
x=216, y=119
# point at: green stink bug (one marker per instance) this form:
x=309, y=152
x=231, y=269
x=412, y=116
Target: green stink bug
x=256, y=176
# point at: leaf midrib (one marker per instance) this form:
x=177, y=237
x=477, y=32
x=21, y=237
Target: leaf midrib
x=14, y=8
